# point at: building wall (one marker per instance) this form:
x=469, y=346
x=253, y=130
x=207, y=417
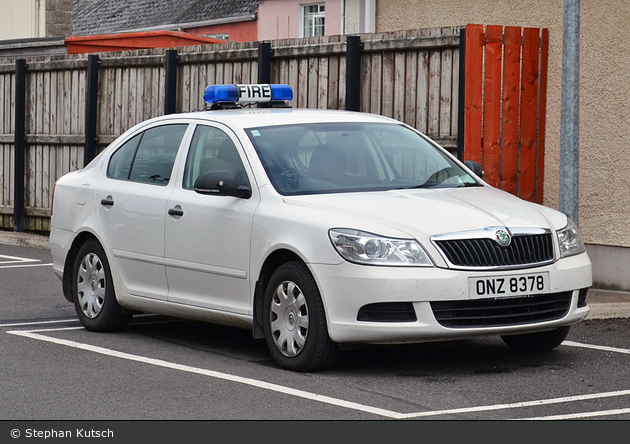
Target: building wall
x=246, y=31
x=58, y=18
x=21, y=19
x=604, y=130
x=281, y=19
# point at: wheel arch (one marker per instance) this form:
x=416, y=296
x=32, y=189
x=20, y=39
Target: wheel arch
x=273, y=261
x=69, y=263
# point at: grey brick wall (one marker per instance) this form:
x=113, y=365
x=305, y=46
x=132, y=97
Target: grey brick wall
x=58, y=18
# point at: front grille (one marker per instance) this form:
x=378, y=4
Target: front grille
x=502, y=312
x=523, y=250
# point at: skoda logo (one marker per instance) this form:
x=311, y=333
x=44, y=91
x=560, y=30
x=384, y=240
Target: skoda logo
x=503, y=238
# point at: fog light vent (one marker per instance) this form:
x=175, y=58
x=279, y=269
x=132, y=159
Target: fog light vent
x=387, y=312
x=582, y=297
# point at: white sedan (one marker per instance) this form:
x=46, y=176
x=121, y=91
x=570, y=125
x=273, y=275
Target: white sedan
x=316, y=229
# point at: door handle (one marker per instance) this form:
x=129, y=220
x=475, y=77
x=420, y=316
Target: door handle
x=107, y=202
x=175, y=212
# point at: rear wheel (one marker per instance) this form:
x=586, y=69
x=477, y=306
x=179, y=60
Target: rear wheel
x=295, y=322
x=540, y=341
x=93, y=291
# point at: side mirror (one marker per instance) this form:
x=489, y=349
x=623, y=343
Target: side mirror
x=475, y=167
x=221, y=182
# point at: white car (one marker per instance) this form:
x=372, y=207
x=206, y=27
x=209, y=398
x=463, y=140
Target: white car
x=316, y=229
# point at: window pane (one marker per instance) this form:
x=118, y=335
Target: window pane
x=212, y=150
x=121, y=160
x=313, y=20
x=156, y=154
x=347, y=157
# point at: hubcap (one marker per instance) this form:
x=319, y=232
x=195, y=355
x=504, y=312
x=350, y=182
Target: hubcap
x=289, y=319
x=91, y=285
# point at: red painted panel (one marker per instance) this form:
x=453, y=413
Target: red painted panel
x=529, y=114
x=473, y=100
x=134, y=40
x=491, y=147
x=511, y=98
x=542, y=113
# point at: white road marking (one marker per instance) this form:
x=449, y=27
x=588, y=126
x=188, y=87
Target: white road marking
x=516, y=405
x=579, y=415
x=62, y=321
x=19, y=262
x=35, y=334
x=25, y=266
x=597, y=347
x=24, y=324
x=13, y=259
x=210, y=373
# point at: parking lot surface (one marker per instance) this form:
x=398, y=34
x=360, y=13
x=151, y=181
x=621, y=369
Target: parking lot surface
x=167, y=369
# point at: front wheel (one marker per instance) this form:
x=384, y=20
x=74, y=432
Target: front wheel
x=295, y=322
x=540, y=341
x=93, y=291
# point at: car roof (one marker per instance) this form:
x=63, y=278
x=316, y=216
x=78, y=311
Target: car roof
x=259, y=117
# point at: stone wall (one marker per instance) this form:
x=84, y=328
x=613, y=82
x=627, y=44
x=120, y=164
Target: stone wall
x=58, y=18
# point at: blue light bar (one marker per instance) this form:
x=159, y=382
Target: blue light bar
x=248, y=93
x=220, y=93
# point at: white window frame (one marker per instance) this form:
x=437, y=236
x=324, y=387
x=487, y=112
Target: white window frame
x=306, y=14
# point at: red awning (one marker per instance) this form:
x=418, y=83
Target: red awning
x=135, y=40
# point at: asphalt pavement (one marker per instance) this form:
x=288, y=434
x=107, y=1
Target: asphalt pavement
x=604, y=303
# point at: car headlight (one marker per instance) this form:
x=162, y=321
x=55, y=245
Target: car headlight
x=369, y=249
x=569, y=240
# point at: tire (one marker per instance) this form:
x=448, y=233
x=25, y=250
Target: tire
x=295, y=322
x=93, y=291
x=540, y=341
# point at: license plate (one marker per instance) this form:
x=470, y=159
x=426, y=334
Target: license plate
x=509, y=285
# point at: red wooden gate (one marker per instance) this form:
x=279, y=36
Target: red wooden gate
x=505, y=71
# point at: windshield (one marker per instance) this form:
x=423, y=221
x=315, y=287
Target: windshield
x=347, y=157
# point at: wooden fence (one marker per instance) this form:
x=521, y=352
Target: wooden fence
x=412, y=76
x=505, y=105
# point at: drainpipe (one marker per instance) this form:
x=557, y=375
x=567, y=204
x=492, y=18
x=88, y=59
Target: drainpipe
x=570, y=112
x=342, y=25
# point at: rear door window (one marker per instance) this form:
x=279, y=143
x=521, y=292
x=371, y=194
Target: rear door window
x=149, y=156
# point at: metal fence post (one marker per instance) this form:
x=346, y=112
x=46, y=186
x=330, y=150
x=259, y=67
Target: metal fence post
x=20, y=145
x=170, y=87
x=264, y=62
x=91, y=110
x=353, y=73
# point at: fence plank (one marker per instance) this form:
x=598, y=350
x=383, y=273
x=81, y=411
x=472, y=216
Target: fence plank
x=473, y=100
x=542, y=112
x=446, y=93
x=511, y=98
x=433, y=116
x=422, y=101
x=400, y=90
x=387, y=105
x=491, y=148
x=529, y=113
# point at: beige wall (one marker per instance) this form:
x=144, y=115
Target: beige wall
x=604, y=94
x=21, y=19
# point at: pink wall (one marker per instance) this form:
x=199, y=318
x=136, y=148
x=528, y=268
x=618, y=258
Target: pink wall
x=280, y=19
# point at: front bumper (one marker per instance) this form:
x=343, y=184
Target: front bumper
x=345, y=288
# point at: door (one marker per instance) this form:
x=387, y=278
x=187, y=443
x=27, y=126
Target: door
x=207, y=246
x=132, y=206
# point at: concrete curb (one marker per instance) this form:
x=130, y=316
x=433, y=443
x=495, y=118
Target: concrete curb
x=24, y=239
